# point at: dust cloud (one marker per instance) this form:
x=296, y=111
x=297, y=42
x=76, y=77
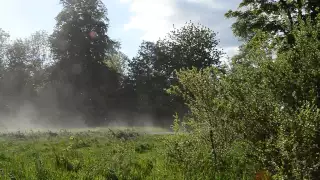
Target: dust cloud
x=26, y=117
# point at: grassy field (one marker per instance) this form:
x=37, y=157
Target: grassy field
x=102, y=153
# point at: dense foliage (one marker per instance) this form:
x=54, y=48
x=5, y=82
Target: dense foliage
x=266, y=106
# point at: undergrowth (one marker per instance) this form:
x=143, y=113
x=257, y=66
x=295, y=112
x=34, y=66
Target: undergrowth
x=109, y=154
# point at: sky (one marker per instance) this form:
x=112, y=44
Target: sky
x=131, y=21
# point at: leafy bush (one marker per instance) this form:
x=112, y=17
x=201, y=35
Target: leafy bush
x=261, y=115
x=294, y=153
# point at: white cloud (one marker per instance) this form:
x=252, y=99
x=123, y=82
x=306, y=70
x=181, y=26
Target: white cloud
x=155, y=18
x=231, y=51
x=210, y=3
x=152, y=17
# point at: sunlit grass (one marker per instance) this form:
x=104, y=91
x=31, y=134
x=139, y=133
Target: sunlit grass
x=96, y=153
x=104, y=153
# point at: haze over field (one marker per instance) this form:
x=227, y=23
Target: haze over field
x=26, y=118
x=28, y=48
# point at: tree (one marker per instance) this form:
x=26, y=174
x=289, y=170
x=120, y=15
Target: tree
x=17, y=76
x=152, y=71
x=281, y=98
x=118, y=61
x=4, y=38
x=275, y=17
x=4, y=42
x=143, y=75
x=187, y=47
x=80, y=44
x=39, y=58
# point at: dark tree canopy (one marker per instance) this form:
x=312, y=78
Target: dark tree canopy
x=81, y=45
x=152, y=71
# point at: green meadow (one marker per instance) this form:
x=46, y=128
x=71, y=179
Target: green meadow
x=115, y=153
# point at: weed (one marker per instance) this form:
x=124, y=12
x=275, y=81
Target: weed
x=63, y=163
x=111, y=175
x=4, y=157
x=52, y=134
x=41, y=172
x=143, y=147
x=125, y=134
x=19, y=135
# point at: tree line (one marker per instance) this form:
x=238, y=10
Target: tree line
x=78, y=70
